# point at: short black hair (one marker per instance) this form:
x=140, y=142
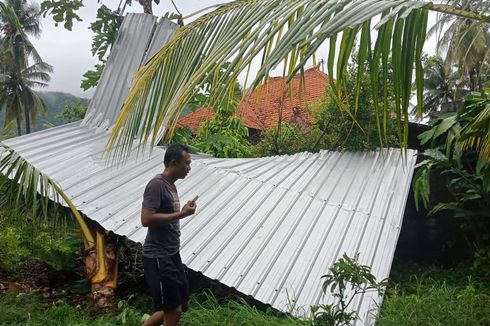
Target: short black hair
x=174, y=152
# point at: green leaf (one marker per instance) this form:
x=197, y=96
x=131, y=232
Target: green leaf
x=444, y=126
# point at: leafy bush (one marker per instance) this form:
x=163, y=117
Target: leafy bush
x=52, y=240
x=290, y=139
x=11, y=250
x=73, y=111
x=460, y=158
x=60, y=251
x=346, y=279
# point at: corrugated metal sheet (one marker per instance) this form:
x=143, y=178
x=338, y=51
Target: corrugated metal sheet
x=269, y=227
x=131, y=49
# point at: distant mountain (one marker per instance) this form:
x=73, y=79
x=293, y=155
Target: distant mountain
x=55, y=101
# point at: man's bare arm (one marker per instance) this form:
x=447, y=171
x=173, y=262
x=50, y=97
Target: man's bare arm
x=150, y=217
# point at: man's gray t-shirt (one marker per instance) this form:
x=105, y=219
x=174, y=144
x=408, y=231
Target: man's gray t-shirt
x=164, y=239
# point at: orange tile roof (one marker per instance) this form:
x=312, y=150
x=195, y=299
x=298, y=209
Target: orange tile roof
x=194, y=119
x=262, y=108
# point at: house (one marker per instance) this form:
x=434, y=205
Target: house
x=273, y=102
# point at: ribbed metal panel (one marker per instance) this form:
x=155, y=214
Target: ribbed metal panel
x=269, y=227
x=163, y=32
x=127, y=54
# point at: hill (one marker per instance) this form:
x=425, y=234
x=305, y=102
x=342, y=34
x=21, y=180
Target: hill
x=55, y=101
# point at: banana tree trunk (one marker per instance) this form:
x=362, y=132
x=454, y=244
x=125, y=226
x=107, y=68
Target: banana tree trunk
x=101, y=260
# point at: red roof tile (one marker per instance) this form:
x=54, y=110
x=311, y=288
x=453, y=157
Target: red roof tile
x=262, y=108
x=194, y=119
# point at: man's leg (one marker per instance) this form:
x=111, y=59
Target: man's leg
x=155, y=320
x=172, y=316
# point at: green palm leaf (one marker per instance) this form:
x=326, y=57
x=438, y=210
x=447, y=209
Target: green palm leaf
x=241, y=31
x=33, y=187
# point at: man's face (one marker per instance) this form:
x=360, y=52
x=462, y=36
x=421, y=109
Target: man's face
x=183, y=166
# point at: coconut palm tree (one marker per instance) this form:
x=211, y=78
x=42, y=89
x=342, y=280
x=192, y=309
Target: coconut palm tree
x=18, y=18
x=281, y=32
x=440, y=85
x=464, y=42
x=28, y=15
x=16, y=92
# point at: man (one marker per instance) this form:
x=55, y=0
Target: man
x=161, y=213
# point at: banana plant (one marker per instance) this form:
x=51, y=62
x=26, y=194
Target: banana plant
x=23, y=182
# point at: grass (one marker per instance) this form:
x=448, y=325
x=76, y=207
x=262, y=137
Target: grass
x=431, y=296
x=29, y=309
x=206, y=310
x=427, y=295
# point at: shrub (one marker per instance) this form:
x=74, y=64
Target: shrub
x=12, y=251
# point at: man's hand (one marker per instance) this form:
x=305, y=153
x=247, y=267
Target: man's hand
x=189, y=208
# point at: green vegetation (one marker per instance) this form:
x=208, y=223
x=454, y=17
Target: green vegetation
x=207, y=310
x=56, y=103
x=459, y=153
x=73, y=111
x=53, y=240
x=429, y=295
x=346, y=280
x=423, y=295
x=21, y=67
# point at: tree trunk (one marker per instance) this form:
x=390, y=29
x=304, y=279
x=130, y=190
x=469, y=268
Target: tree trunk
x=26, y=111
x=101, y=267
x=146, y=6
x=18, y=123
x=100, y=257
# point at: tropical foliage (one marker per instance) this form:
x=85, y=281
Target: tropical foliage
x=73, y=111
x=440, y=85
x=17, y=75
x=16, y=93
x=346, y=279
x=460, y=143
x=286, y=32
x=465, y=43
x=105, y=29
x=224, y=135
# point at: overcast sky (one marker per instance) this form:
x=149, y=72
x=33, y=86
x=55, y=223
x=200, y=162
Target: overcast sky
x=69, y=52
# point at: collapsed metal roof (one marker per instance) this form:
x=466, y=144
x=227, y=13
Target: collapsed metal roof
x=268, y=227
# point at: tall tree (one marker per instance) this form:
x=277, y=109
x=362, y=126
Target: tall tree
x=440, y=85
x=19, y=18
x=28, y=15
x=464, y=42
x=16, y=92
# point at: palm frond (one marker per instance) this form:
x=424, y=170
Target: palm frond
x=240, y=31
x=29, y=184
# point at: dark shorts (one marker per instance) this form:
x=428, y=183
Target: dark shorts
x=167, y=279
